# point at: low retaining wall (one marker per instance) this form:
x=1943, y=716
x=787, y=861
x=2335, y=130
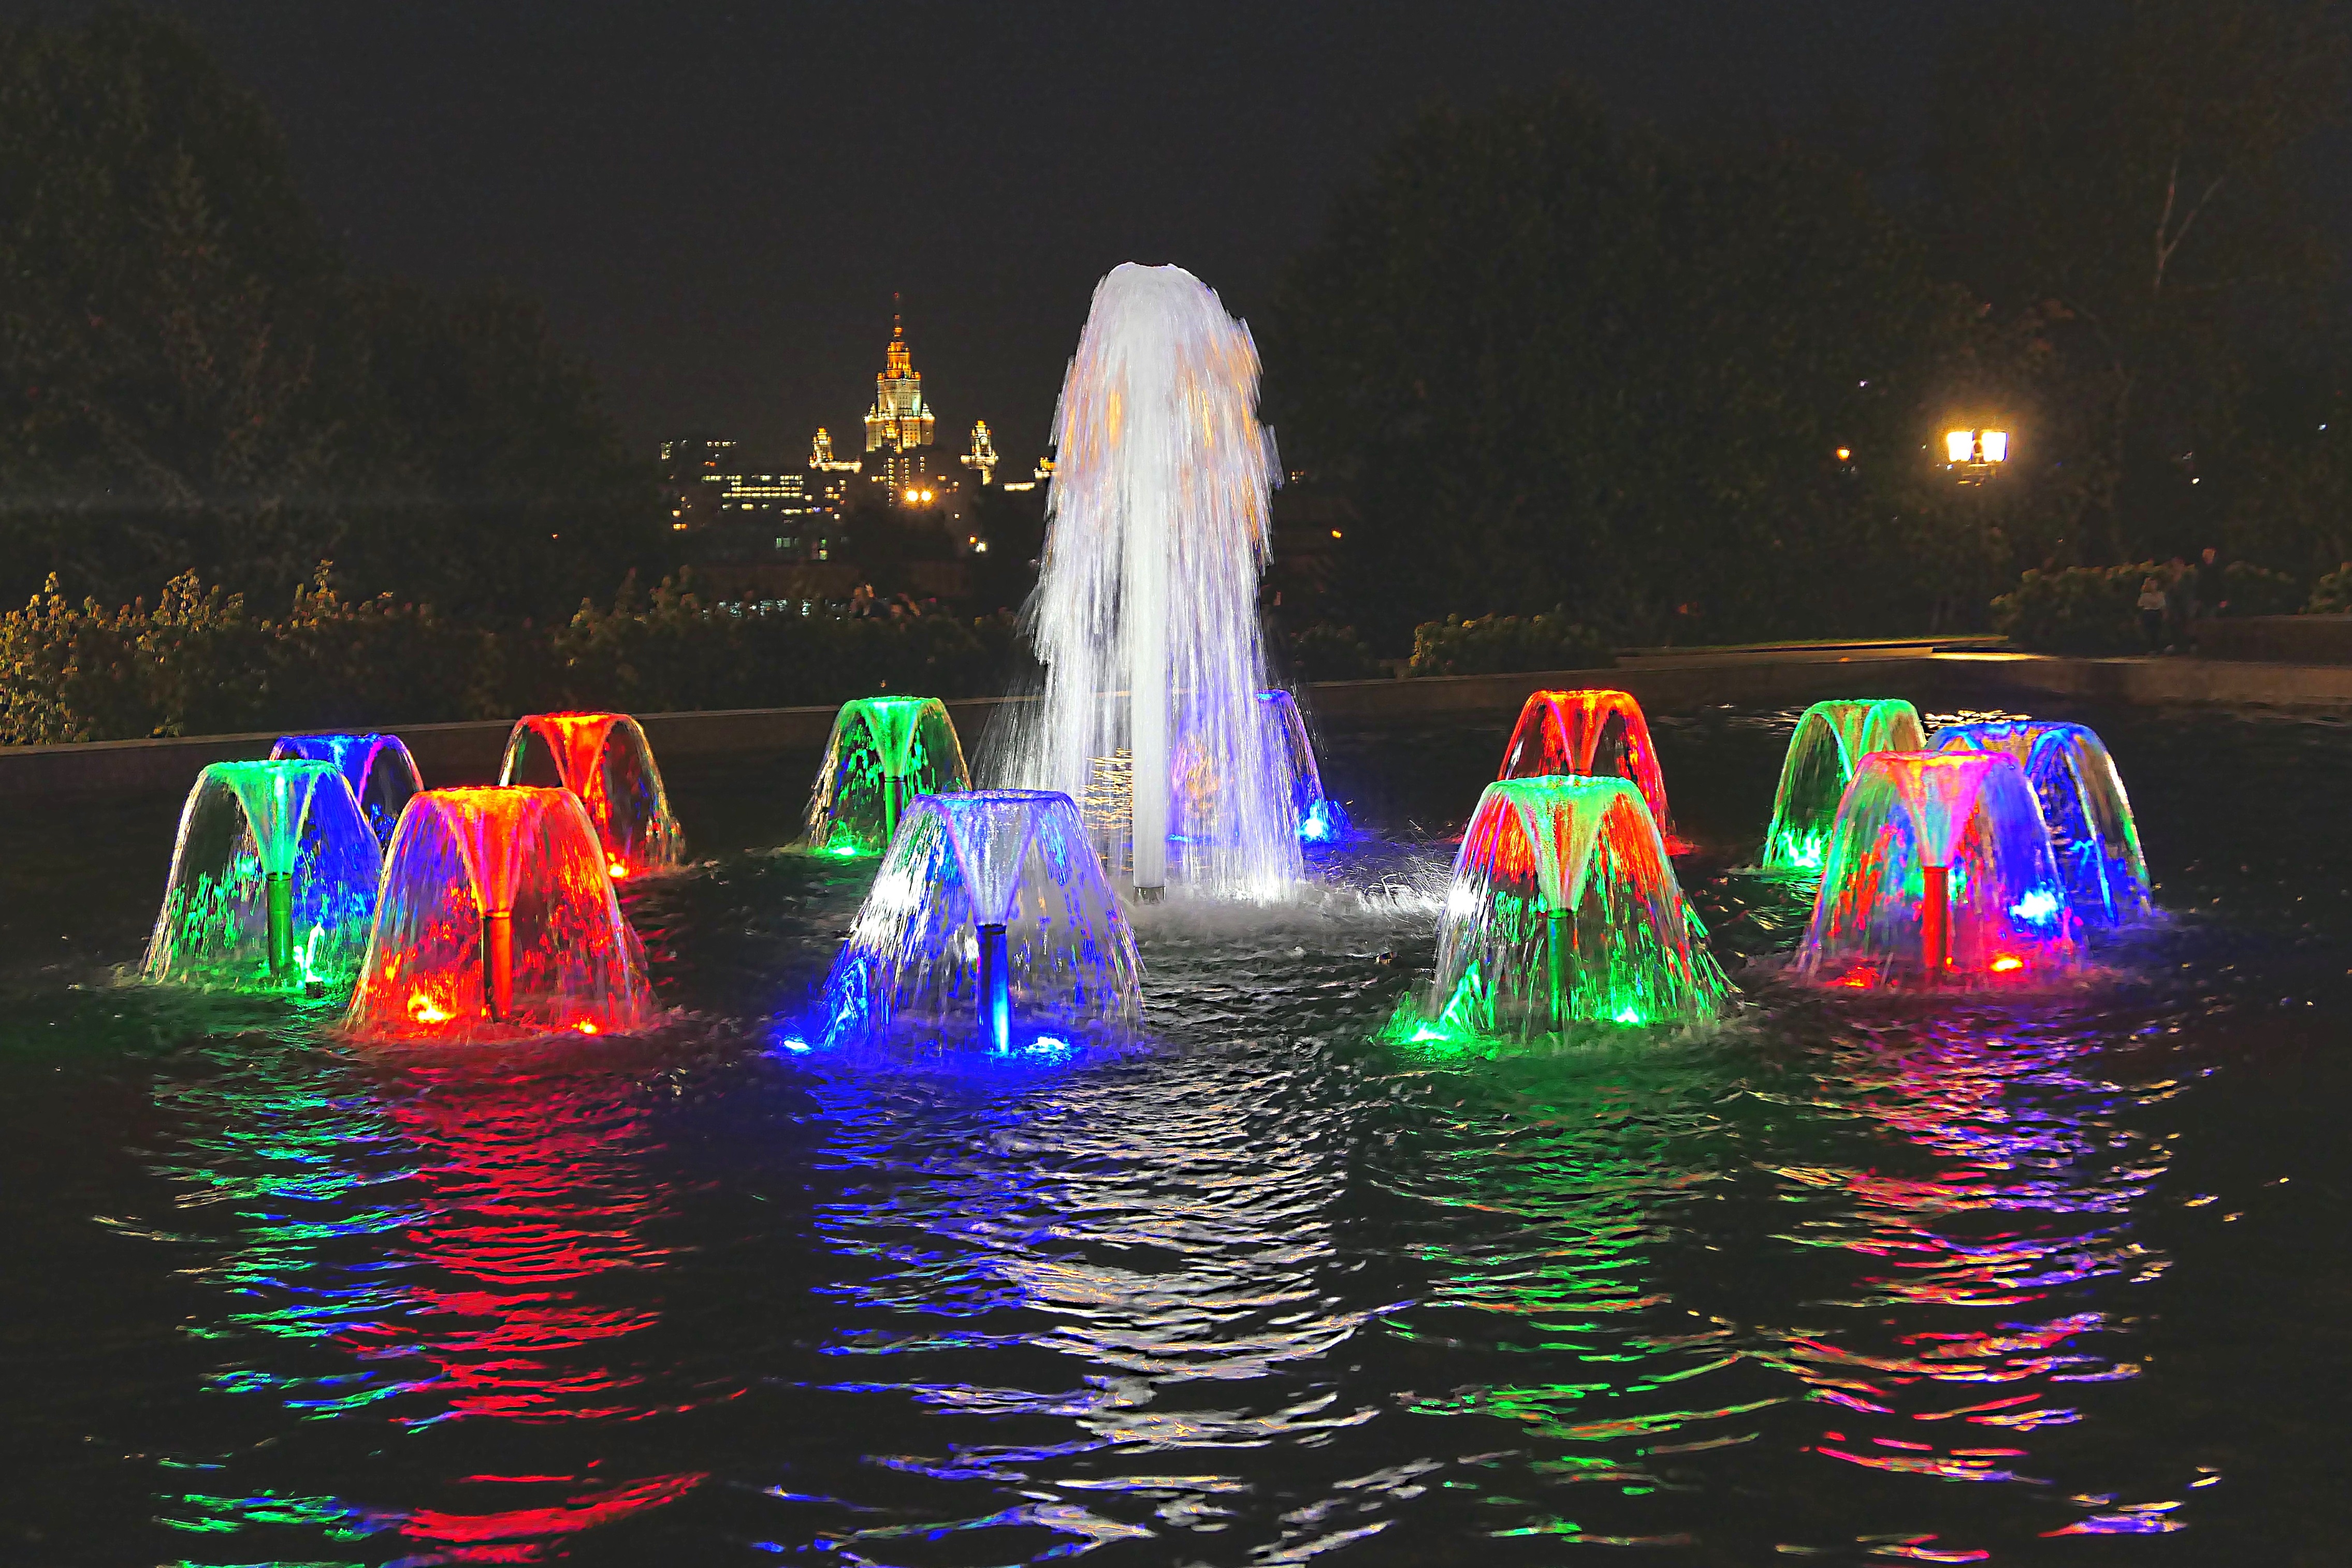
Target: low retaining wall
x=2279, y=639
x=469, y=752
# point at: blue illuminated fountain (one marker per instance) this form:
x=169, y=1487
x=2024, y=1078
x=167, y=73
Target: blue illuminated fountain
x=2089, y=816
x=990, y=925
x=1321, y=819
x=382, y=773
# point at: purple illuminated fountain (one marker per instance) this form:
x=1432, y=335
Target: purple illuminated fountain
x=990, y=926
x=1938, y=874
x=382, y=773
x=2092, y=834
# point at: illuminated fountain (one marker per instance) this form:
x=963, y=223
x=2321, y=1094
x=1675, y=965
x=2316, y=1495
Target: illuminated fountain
x=1319, y=819
x=989, y=922
x=382, y=773
x=884, y=752
x=1830, y=741
x=2092, y=834
x=1939, y=873
x=273, y=879
x=603, y=759
x=1589, y=734
x=1145, y=616
x=498, y=921
x=1564, y=913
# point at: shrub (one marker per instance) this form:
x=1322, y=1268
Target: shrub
x=1495, y=645
x=2332, y=594
x=2250, y=590
x=2078, y=609
x=1325, y=652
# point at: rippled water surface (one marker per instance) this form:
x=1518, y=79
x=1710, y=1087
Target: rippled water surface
x=1842, y=1282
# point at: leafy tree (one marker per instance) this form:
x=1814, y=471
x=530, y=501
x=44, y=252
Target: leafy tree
x=1561, y=362
x=2121, y=180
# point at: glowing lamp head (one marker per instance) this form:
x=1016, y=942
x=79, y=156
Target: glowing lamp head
x=1845, y=454
x=1995, y=444
x=1959, y=445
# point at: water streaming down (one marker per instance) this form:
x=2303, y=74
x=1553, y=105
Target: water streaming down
x=989, y=923
x=382, y=773
x=1564, y=911
x=602, y=758
x=1590, y=733
x=2092, y=834
x=1830, y=742
x=498, y=921
x=883, y=752
x=1145, y=615
x=272, y=882
x=1320, y=819
x=1940, y=874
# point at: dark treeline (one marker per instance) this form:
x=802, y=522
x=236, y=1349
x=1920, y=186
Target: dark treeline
x=1556, y=358
x=193, y=379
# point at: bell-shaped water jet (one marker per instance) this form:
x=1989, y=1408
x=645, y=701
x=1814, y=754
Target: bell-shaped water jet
x=1145, y=615
x=1938, y=874
x=1564, y=911
x=1829, y=744
x=603, y=759
x=1589, y=734
x=989, y=922
x=382, y=773
x=1320, y=819
x=497, y=921
x=883, y=754
x=2092, y=834
x=273, y=881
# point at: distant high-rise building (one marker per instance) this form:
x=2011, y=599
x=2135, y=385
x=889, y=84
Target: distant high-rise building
x=982, y=455
x=898, y=420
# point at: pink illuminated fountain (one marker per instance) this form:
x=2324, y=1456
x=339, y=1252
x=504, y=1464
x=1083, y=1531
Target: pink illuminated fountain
x=1589, y=734
x=498, y=921
x=1938, y=874
x=603, y=759
x=2092, y=831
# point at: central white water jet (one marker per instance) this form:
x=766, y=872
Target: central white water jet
x=1145, y=616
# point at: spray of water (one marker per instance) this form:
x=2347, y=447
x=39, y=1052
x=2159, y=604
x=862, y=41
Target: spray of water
x=1145, y=616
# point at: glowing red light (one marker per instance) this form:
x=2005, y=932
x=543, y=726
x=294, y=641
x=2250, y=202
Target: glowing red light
x=1859, y=979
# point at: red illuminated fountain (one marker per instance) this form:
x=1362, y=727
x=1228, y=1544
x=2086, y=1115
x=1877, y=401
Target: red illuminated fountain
x=496, y=921
x=603, y=759
x=1939, y=873
x=1591, y=734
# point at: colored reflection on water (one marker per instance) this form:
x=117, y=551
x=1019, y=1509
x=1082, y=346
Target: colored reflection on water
x=1851, y=1278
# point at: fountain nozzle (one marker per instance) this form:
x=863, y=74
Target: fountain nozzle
x=498, y=965
x=280, y=893
x=996, y=988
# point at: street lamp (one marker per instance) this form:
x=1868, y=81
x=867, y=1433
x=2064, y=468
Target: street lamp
x=1974, y=455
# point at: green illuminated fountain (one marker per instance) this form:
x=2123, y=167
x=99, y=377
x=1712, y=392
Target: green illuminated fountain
x=1829, y=744
x=273, y=882
x=1564, y=917
x=883, y=753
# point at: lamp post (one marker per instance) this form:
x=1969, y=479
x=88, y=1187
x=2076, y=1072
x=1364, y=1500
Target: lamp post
x=1974, y=456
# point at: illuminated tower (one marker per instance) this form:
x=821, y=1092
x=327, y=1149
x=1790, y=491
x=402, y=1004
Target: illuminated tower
x=982, y=455
x=899, y=419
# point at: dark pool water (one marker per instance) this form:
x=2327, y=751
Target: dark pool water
x=2060, y=1281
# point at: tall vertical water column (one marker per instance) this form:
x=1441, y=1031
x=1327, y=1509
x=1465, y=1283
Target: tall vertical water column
x=1146, y=610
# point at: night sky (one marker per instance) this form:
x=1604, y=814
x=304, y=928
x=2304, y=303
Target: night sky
x=716, y=202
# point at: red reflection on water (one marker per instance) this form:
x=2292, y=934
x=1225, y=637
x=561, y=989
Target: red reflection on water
x=524, y=1530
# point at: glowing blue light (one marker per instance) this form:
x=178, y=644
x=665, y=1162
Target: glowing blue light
x=2039, y=907
x=794, y=1044
x=1050, y=1045
x=1322, y=822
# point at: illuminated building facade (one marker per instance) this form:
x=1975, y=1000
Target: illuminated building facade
x=899, y=419
x=982, y=456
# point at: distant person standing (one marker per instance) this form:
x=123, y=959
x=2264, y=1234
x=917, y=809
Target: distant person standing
x=2152, y=605
x=2212, y=584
